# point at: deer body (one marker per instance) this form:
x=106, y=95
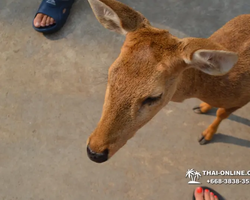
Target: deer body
x=232, y=89
x=155, y=67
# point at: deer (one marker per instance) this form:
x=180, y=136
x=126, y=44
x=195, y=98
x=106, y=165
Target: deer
x=155, y=67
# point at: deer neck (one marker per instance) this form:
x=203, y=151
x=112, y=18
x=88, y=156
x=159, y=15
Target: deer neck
x=190, y=85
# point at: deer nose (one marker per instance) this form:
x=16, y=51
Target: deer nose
x=97, y=157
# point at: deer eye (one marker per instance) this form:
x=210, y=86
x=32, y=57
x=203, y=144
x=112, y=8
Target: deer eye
x=151, y=100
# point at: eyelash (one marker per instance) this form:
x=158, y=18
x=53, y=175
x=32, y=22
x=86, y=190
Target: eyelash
x=151, y=100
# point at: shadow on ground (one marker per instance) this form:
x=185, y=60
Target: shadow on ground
x=222, y=138
x=232, y=117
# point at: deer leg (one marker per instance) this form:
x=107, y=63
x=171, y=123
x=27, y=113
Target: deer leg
x=202, y=108
x=221, y=114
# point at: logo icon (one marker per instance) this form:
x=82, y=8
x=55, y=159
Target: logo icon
x=193, y=175
x=51, y=2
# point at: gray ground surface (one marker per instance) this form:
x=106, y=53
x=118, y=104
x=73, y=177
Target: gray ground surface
x=52, y=90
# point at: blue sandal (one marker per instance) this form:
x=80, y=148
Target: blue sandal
x=54, y=9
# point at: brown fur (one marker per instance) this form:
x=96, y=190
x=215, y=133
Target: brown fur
x=152, y=61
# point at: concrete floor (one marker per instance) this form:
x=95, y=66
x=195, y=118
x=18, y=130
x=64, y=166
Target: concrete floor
x=52, y=90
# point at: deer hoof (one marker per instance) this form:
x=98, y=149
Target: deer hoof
x=202, y=140
x=197, y=110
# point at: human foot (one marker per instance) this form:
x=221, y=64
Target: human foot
x=205, y=193
x=52, y=15
x=201, y=194
x=42, y=20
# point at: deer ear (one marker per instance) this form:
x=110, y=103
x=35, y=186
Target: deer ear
x=213, y=62
x=116, y=16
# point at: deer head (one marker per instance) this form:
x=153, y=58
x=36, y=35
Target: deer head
x=146, y=74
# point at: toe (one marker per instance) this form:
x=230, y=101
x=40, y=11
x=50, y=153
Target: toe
x=198, y=194
x=51, y=21
x=38, y=20
x=215, y=197
x=43, y=22
x=48, y=21
x=207, y=194
x=212, y=196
